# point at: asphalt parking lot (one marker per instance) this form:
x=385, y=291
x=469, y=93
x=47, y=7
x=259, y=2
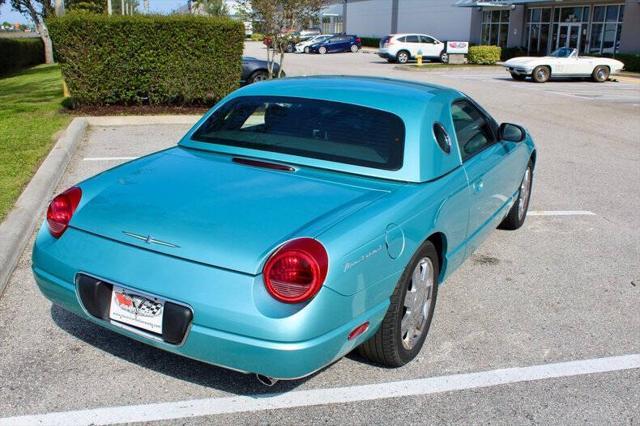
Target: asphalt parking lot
x=566, y=287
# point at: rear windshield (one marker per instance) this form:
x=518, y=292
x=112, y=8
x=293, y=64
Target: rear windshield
x=324, y=130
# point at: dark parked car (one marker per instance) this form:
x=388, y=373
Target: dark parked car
x=338, y=43
x=254, y=69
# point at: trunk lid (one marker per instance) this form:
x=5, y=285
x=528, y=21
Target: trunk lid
x=205, y=208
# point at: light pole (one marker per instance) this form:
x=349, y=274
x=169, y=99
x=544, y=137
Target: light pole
x=109, y=8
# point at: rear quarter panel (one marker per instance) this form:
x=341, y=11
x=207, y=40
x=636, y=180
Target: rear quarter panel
x=370, y=249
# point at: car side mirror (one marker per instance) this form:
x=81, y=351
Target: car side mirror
x=511, y=132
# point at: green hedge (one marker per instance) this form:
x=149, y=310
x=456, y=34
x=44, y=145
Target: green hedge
x=157, y=60
x=18, y=53
x=370, y=41
x=484, y=55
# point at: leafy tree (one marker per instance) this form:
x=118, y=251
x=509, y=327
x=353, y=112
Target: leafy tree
x=93, y=6
x=278, y=18
x=38, y=11
x=211, y=7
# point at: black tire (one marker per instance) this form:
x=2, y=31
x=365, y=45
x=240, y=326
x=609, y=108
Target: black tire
x=306, y=49
x=518, y=212
x=600, y=74
x=290, y=48
x=402, y=57
x=518, y=77
x=259, y=75
x=541, y=74
x=354, y=48
x=386, y=345
x=322, y=50
x=444, y=57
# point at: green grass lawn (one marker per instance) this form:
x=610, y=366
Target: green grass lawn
x=30, y=114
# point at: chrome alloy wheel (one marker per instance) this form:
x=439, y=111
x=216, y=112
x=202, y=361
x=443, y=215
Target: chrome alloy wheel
x=525, y=189
x=541, y=74
x=602, y=74
x=417, y=303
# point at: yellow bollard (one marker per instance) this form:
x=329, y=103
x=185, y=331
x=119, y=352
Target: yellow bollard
x=65, y=89
x=419, y=59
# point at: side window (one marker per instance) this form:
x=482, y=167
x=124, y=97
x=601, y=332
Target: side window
x=473, y=131
x=402, y=39
x=427, y=39
x=412, y=39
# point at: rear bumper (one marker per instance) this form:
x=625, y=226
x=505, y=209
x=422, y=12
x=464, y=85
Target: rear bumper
x=385, y=54
x=253, y=336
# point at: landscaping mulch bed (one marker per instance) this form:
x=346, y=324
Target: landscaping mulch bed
x=137, y=110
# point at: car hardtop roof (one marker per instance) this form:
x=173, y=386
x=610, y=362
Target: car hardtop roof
x=418, y=105
x=395, y=90
x=406, y=34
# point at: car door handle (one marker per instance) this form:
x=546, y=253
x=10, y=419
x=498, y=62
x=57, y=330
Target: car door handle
x=478, y=185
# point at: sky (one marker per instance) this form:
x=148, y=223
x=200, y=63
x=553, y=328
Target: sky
x=155, y=6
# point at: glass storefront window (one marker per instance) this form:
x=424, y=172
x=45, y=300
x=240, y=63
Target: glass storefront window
x=495, y=27
x=546, y=15
x=612, y=13
x=571, y=14
x=596, y=38
x=598, y=13
x=537, y=30
x=606, y=27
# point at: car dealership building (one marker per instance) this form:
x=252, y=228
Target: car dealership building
x=539, y=27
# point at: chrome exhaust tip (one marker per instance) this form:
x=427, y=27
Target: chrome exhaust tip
x=266, y=380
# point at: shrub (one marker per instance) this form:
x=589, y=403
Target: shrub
x=512, y=52
x=370, y=41
x=18, y=53
x=155, y=60
x=257, y=37
x=484, y=55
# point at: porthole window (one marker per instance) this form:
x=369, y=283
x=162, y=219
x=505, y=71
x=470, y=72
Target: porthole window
x=444, y=142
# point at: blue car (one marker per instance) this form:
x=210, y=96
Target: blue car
x=298, y=220
x=337, y=43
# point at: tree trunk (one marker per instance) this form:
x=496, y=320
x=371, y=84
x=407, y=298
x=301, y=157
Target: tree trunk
x=46, y=40
x=281, y=62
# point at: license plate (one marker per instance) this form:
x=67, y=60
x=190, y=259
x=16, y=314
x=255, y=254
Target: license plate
x=136, y=310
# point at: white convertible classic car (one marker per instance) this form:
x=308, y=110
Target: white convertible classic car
x=563, y=63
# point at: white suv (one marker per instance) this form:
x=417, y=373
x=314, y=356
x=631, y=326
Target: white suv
x=403, y=47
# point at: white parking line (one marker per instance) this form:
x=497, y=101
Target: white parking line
x=108, y=158
x=243, y=404
x=560, y=213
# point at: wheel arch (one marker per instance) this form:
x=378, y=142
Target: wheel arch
x=533, y=158
x=439, y=240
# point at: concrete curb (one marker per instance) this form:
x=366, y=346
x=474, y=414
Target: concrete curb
x=15, y=231
x=141, y=120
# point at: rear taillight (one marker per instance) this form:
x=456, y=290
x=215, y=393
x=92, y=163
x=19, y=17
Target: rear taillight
x=296, y=271
x=358, y=40
x=61, y=210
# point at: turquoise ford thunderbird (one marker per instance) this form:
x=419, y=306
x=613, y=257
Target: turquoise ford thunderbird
x=298, y=220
